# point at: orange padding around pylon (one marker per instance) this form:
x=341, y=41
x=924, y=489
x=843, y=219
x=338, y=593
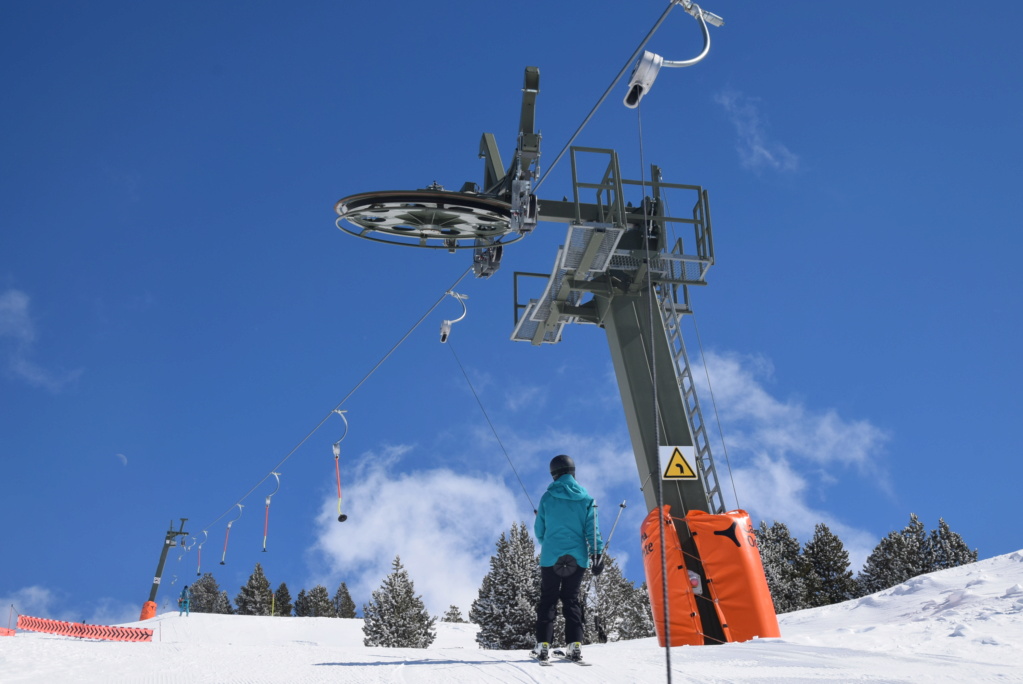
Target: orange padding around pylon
x=727, y=545
x=76, y=629
x=6, y=632
x=148, y=611
x=683, y=616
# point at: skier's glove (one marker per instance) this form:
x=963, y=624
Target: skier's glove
x=596, y=565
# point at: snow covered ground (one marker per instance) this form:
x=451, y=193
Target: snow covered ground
x=958, y=625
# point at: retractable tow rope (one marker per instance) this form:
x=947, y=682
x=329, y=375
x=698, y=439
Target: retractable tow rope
x=266, y=521
x=341, y=517
x=227, y=533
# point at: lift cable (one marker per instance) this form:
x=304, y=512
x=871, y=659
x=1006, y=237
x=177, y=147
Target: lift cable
x=492, y=428
x=657, y=408
x=688, y=6
x=717, y=417
x=614, y=82
x=341, y=403
x=710, y=385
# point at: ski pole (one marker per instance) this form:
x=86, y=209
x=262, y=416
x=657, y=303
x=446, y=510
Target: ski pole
x=621, y=509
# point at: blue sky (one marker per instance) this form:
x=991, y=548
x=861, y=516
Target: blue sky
x=178, y=311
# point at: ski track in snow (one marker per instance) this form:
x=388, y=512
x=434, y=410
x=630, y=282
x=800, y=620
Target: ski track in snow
x=958, y=625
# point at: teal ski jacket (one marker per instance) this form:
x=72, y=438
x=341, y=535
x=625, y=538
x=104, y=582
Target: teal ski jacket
x=566, y=523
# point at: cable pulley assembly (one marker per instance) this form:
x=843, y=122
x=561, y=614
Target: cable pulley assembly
x=445, y=327
x=266, y=521
x=227, y=534
x=341, y=517
x=649, y=64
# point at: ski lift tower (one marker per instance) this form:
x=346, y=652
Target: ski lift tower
x=620, y=269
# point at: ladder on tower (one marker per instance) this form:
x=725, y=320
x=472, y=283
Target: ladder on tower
x=671, y=316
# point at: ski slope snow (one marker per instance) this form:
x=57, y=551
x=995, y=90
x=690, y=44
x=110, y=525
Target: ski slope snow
x=959, y=625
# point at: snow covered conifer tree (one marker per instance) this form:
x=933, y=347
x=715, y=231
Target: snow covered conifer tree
x=887, y=565
x=505, y=608
x=396, y=617
x=615, y=608
x=916, y=535
x=946, y=549
x=282, y=601
x=899, y=556
x=206, y=596
x=453, y=614
x=254, y=597
x=302, y=604
x=639, y=621
x=223, y=604
x=784, y=567
x=829, y=562
x=318, y=603
x=344, y=606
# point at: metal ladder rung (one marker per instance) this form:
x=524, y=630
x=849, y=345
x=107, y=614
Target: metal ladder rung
x=671, y=315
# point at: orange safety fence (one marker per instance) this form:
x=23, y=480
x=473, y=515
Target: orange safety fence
x=6, y=632
x=82, y=631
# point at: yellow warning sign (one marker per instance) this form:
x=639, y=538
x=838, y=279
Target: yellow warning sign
x=679, y=466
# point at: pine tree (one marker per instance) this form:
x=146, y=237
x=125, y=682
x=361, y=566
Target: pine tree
x=282, y=601
x=784, y=567
x=639, y=622
x=829, y=562
x=454, y=614
x=344, y=606
x=396, y=617
x=254, y=597
x=916, y=534
x=946, y=549
x=887, y=565
x=615, y=609
x=319, y=603
x=206, y=596
x=302, y=604
x=897, y=557
x=223, y=604
x=505, y=608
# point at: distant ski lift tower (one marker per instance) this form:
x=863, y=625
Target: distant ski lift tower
x=170, y=539
x=619, y=269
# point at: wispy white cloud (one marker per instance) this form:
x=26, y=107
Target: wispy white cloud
x=38, y=602
x=756, y=150
x=443, y=525
x=41, y=602
x=17, y=327
x=785, y=455
x=108, y=611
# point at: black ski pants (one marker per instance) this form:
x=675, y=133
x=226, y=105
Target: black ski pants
x=553, y=588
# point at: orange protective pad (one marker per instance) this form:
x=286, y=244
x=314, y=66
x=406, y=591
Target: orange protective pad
x=727, y=545
x=76, y=629
x=148, y=610
x=683, y=617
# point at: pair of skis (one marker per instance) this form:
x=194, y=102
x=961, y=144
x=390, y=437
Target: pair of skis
x=560, y=655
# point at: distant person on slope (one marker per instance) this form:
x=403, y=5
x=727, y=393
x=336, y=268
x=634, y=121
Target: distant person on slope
x=566, y=527
x=184, y=601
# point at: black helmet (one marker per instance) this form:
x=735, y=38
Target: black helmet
x=562, y=465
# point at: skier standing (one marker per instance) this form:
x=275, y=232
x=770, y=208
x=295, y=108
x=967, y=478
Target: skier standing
x=184, y=602
x=566, y=527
